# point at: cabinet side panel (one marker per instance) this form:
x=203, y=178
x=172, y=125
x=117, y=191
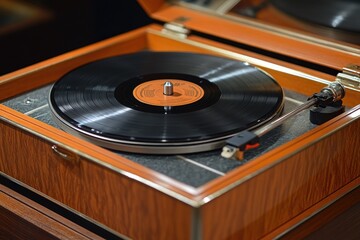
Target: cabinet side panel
x=114, y=200
x=269, y=199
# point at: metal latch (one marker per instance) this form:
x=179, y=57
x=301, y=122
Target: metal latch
x=350, y=76
x=176, y=29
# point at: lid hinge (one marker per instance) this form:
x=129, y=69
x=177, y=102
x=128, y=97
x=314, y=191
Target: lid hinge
x=350, y=76
x=176, y=29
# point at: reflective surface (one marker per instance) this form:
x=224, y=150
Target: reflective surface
x=97, y=99
x=194, y=169
x=330, y=20
x=342, y=15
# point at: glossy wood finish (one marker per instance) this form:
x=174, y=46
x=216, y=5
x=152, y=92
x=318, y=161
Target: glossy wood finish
x=21, y=218
x=251, y=201
x=278, y=192
x=290, y=76
x=271, y=16
x=115, y=200
x=341, y=220
x=252, y=36
x=152, y=6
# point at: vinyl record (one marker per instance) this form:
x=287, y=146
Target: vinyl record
x=336, y=14
x=119, y=102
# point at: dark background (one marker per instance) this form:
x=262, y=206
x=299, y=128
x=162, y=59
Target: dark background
x=35, y=30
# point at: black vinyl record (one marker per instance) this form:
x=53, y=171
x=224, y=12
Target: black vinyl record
x=337, y=14
x=118, y=102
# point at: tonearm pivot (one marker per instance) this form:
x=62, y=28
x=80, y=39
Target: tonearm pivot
x=327, y=105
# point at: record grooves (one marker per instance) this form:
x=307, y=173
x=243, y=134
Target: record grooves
x=117, y=102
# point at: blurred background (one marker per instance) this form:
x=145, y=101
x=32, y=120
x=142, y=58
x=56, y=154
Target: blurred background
x=35, y=30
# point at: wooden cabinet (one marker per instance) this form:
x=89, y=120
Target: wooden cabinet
x=261, y=198
x=23, y=218
x=338, y=220
x=93, y=188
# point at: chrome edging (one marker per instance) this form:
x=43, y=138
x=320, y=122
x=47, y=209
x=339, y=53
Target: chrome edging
x=279, y=161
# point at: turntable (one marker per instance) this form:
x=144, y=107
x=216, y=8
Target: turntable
x=127, y=133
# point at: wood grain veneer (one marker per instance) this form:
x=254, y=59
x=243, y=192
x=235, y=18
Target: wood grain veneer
x=282, y=191
x=115, y=200
x=22, y=218
x=340, y=220
x=267, y=40
x=249, y=202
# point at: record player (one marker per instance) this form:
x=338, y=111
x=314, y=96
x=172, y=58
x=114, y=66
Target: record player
x=132, y=192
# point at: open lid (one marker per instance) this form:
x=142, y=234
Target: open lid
x=263, y=25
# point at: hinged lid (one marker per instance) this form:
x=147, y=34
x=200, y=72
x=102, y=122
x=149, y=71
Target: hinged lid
x=176, y=29
x=218, y=20
x=350, y=76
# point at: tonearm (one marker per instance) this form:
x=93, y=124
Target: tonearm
x=327, y=105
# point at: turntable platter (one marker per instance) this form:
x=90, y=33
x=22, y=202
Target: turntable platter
x=118, y=102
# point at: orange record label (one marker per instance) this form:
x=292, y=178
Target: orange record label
x=152, y=93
